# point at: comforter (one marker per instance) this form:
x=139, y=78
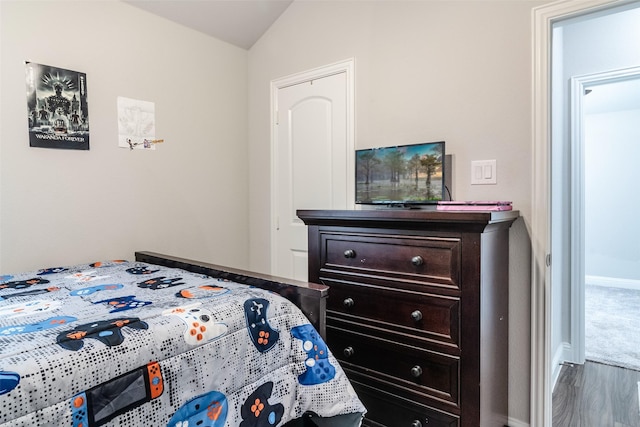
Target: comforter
x=134, y=344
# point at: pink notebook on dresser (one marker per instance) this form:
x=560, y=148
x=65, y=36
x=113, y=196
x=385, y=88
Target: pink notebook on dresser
x=488, y=205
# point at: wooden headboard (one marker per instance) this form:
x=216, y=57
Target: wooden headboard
x=311, y=298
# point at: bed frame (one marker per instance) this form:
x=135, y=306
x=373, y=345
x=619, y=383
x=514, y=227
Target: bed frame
x=311, y=298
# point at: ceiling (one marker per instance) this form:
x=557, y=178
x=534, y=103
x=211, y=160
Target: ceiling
x=239, y=22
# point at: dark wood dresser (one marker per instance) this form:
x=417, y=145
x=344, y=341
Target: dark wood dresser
x=418, y=311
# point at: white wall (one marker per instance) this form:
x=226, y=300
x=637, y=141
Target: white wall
x=189, y=197
x=425, y=71
x=612, y=156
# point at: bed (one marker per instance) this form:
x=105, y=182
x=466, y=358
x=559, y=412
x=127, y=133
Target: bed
x=167, y=341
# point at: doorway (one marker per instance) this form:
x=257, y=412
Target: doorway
x=552, y=329
x=606, y=291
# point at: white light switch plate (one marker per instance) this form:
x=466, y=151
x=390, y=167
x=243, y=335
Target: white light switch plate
x=483, y=172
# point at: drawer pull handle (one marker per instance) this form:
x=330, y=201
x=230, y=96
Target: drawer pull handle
x=416, y=316
x=349, y=253
x=348, y=302
x=416, y=423
x=416, y=371
x=348, y=352
x=417, y=260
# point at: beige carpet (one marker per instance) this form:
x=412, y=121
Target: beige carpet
x=612, y=326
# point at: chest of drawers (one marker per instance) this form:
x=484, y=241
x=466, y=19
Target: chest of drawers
x=417, y=312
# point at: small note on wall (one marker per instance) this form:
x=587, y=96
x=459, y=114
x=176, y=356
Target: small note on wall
x=136, y=124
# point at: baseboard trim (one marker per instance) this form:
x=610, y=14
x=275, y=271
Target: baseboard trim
x=517, y=423
x=562, y=354
x=612, y=282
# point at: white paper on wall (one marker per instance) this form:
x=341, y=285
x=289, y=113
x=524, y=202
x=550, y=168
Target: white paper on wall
x=136, y=124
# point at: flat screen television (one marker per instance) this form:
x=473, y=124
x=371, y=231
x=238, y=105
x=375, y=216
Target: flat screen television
x=401, y=176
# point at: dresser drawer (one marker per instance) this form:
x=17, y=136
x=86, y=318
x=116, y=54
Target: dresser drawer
x=429, y=316
x=384, y=409
x=416, y=372
x=416, y=258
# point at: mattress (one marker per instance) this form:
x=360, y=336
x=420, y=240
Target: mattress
x=134, y=344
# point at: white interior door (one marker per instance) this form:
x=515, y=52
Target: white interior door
x=313, y=157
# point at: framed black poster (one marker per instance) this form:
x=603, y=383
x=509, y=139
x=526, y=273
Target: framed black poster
x=57, y=107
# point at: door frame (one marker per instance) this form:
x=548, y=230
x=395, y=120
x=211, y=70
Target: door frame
x=346, y=66
x=578, y=172
x=543, y=18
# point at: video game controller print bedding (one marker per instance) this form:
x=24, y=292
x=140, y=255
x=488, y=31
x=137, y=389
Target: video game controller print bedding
x=121, y=343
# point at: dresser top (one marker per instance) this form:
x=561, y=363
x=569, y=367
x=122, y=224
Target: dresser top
x=406, y=215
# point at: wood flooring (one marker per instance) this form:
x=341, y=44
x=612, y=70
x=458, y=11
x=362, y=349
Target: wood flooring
x=596, y=395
